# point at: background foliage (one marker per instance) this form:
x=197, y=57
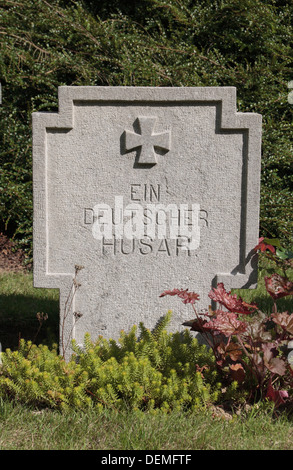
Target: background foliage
x=241, y=43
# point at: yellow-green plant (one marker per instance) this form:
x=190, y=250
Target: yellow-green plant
x=155, y=371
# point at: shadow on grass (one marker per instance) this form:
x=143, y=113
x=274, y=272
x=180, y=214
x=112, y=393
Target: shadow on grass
x=266, y=304
x=18, y=319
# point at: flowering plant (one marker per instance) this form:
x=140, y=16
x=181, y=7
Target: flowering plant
x=249, y=346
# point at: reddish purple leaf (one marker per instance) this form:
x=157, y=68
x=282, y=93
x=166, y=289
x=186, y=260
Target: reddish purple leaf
x=226, y=323
x=278, y=286
x=231, y=302
x=284, y=320
x=188, y=297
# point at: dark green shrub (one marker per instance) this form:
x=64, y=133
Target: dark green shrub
x=240, y=43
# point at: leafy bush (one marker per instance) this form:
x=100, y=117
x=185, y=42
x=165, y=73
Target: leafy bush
x=250, y=347
x=240, y=43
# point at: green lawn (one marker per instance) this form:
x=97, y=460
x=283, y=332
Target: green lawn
x=260, y=296
x=19, y=304
x=25, y=429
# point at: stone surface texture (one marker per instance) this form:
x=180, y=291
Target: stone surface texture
x=178, y=146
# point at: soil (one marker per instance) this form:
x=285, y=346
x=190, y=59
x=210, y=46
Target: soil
x=11, y=258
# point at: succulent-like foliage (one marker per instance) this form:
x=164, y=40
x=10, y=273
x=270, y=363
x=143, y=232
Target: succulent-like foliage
x=156, y=371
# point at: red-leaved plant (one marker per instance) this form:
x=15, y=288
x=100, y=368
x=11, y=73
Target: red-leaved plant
x=250, y=347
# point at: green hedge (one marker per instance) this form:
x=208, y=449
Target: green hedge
x=241, y=43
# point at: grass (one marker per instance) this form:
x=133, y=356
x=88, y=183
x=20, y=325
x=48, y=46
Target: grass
x=19, y=304
x=23, y=428
x=260, y=296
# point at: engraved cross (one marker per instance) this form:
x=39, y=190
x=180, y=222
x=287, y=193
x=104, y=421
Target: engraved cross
x=146, y=141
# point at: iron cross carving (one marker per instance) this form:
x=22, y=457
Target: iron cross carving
x=146, y=140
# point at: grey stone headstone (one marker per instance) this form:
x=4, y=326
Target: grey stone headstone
x=148, y=189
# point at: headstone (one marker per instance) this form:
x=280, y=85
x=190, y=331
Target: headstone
x=146, y=189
